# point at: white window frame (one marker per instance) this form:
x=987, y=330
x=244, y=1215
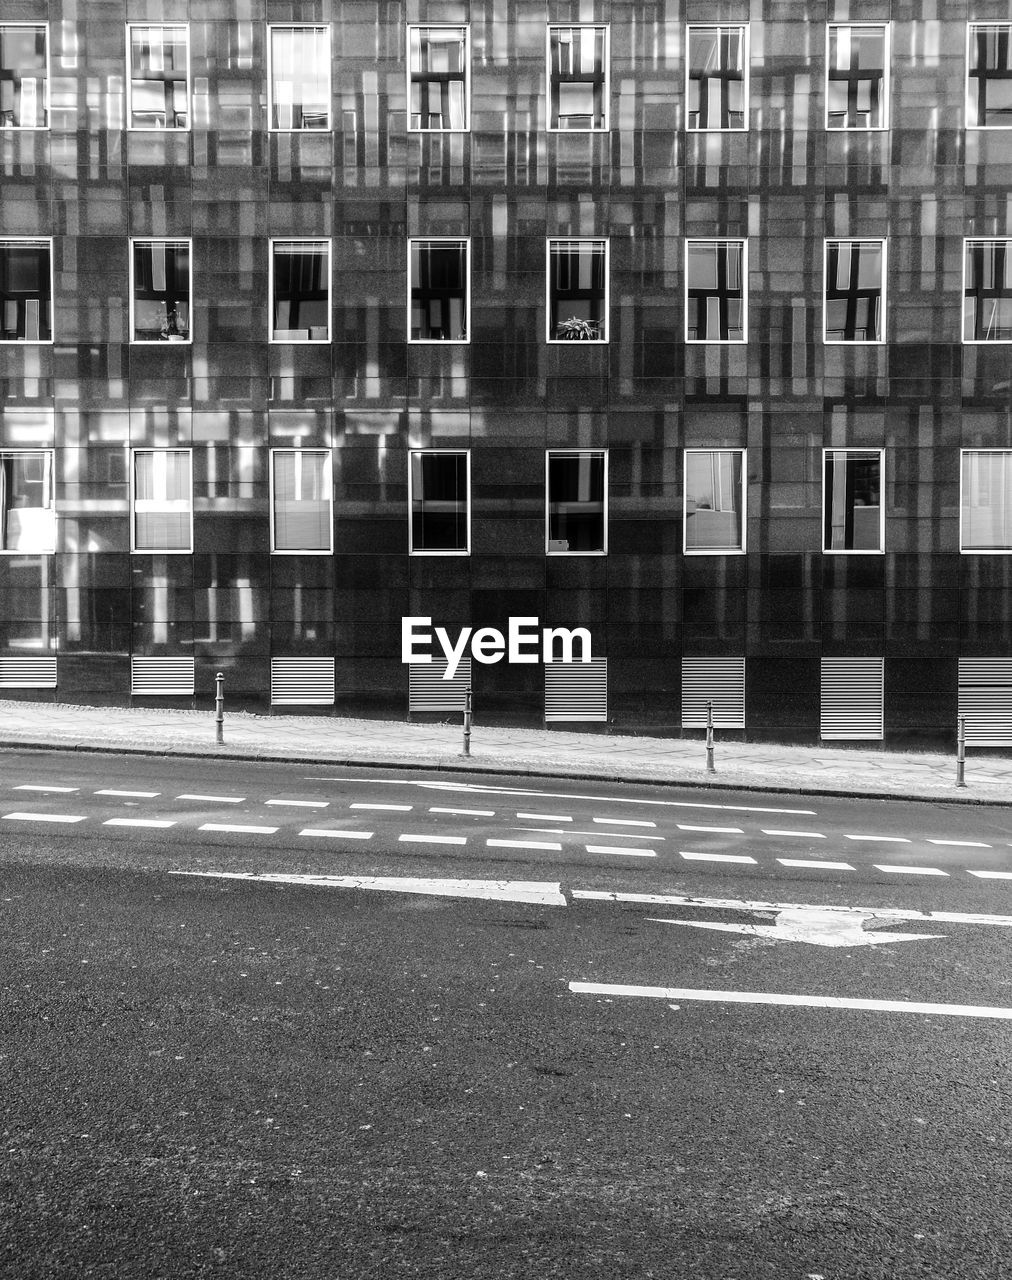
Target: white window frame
x=442, y=26
x=164, y=505
x=884, y=302
x=464, y=551
x=136, y=240
x=716, y=342
x=299, y=26
x=316, y=241
x=745, y=28
x=964, y=457
x=578, y=240
x=49, y=457
x=575, y=453
x=856, y=551
x=46, y=105
x=572, y=26
x=143, y=128
x=441, y=342
x=980, y=342
x=886, y=28
x=300, y=551
x=970, y=28
x=35, y=342
x=714, y=551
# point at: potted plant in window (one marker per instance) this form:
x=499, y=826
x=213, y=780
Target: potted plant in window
x=576, y=330
x=174, y=327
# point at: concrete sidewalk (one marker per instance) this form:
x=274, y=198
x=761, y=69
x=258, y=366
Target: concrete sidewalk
x=337, y=740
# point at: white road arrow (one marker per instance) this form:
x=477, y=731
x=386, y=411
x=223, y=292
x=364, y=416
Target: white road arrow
x=823, y=928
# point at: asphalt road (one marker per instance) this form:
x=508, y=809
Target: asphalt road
x=213, y=1076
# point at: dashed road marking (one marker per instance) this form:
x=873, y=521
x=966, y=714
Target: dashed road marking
x=546, y=817
x=815, y=863
x=240, y=828
x=962, y=844
x=807, y=835
x=137, y=795
x=28, y=786
x=409, y=839
x=465, y=813
x=622, y=853
x=523, y=844
x=392, y=808
x=189, y=795
x=730, y=831
x=624, y=822
x=991, y=875
x=910, y=871
x=300, y=804
x=881, y=839
x=137, y=822
x=716, y=857
x=44, y=817
x=333, y=833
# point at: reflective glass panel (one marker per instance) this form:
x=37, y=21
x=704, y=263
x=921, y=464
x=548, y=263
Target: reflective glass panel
x=161, y=291
x=163, y=500
x=854, y=290
x=159, y=77
x=438, y=78
x=576, y=502
x=578, y=291
x=300, y=302
x=856, y=77
x=987, y=291
x=989, y=82
x=714, y=500
x=578, y=77
x=23, y=85
x=715, y=294
x=27, y=506
x=438, y=287
x=26, y=291
x=439, y=501
x=716, y=87
x=300, y=77
x=986, y=500
x=852, y=500
x=303, y=500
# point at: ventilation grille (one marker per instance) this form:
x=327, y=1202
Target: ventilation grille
x=722, y=681
x=852, y=698
x=152, y=676
x=27, y=673
x=302, y=682
x=985, y=699
x=576, y=690
x=428, y=691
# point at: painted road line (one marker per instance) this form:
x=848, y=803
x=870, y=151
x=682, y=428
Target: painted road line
x=392, y=808
x=962, y=844
x=729, y=831
x=991, y=875
x=815, y=863
x=624, y=822
x=615, y=835
x=189, y=795
x=44, y=817
x=137, y=822
x=465, y=813
x=622, y=853
x=523, y=844
x=237, y=827
x=535, y=892
x=881, y=839
x=137, y=795
x=807, y=835
x=340, y=835
x=715, y=857
x=910, y=871
x=807, y=1002
x=28, y=786
x=300, y=804
x=432, y=839
x=472, y=788
x=545, y=817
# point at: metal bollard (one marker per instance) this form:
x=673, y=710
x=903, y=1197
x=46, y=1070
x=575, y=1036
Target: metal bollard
x=961, y=753
x=219, y=708
x=709, y=737
x=467, y=721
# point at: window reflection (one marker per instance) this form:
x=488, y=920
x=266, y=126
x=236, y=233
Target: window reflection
x=438, y=288
x=299, y=77
x=438, y=74
x=987, y=291
x=857, y=77
x=578, y=78
x=300, y=291
x=578, y=291
x=714, y=501
x=159, y=90
x=26, y=290
x=439, y=484
x=717, y=78
x=161, y=291
x=715, y=291
x=989, y=76
x=855, y=290
x=24, y=76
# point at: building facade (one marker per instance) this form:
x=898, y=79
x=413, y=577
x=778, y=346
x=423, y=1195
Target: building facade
x=688, y=324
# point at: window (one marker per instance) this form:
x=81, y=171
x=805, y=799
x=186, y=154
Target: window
x=987, y=291
x=301, y=501
x=26, y=290
x=162, y=500
x=577, y=512
x=578, y=79
x=300, y=291
x=716, y=88
x=27, y=504
x=989, y=75
x=439, y=72
x=158, y=90
x=298, y=78
x=985, y=509
x=160, y=291
x=439, y=289
x=24, y=75
x=577, y=291
x=439, y=500
x=714, y=501
x=852, y=511
x=715, y=300
x=857, y=76
x=854, y=303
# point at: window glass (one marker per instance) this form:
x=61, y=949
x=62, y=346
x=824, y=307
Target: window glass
x=715, y=291
x=439, y=501
x=578, y=77
x=716, y=87
x=987, y=291
x=27, y=505
x=714, y=500
x=159, y=77
x=989, y=75
x=438, y=287
x=856, y=77
x=576, y=502
x=161, y=291
x=438, y=78
x=300, y=77
x=26, y=291
x=302, y=500
x=23, y=76
x=855, y=290
x=852, y=500
x=986, y=500
x=162, y=500
x=300, y=303
x=578, y=291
